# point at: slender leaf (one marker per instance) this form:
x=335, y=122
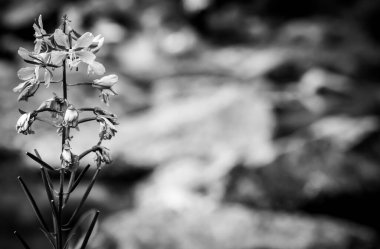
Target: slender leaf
x=77, y=181
x=49, y=237
x=40, y=161
x=88, y=190
x=49, y=193
x=88, y=234
x=23, y=242
x=71, y=181
x=33, y=204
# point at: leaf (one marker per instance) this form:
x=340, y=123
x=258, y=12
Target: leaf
x=86, y=56
x=23, y=242
x=24, y=53
x=26, y=73
x=96, y=67
x=33, y=204
x=61, y=38
x=56, y=57
x=40, y=161
x=84, y=41
x=78, y=232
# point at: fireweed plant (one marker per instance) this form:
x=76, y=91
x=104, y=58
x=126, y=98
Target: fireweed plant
x=54, y=54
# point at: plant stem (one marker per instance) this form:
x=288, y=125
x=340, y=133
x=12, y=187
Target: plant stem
x=62, y=172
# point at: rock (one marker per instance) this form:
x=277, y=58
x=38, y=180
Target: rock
x=231, y=227
x=322, y=169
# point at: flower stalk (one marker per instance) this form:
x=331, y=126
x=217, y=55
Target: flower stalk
x=67, y=49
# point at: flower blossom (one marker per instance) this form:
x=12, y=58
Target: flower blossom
x=24, y=124
x=44, y=61
x=105, y=84
x=82, y=50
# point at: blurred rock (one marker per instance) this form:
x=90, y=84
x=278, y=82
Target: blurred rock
x=323, y=168
x=203, y=124
x=324, y=92
x=231, y=227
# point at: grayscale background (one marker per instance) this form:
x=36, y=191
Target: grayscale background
x=243, y=124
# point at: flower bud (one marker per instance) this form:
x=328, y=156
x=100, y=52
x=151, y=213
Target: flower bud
x=103, y=155
x=68, y=159
x=106, y=82
x=106, y=129
x=55, y=104
x=71, y=117
x=24, y=123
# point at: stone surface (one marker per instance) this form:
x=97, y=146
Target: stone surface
x=230, y=227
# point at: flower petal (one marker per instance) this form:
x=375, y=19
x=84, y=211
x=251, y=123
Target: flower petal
x=48, y=76
x=20, y=86
x=24, y=53
x=61, y=38
x=40, y=22
x=86, y=56
x=37, y=46
x=96, y=67
x=84, y=41
x=26, y=73
x=56, y=57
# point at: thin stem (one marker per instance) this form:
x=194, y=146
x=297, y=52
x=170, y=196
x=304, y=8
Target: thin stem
x=47, y=110
x=83, y=120
x=84, y=153
x=60, y=207
x=65, y=134
x=90, y=109
x=88, y=190
x=80, y=84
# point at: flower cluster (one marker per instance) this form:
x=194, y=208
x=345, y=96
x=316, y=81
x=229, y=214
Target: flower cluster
x=65, y=49
x=55, y=53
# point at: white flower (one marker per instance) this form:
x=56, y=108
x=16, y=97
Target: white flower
x=105, y=84
x=24, y=123
x=82, y=50
x=71, y=117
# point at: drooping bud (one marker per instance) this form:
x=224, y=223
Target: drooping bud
x=55, y=104
x=66, y=157
x=103, y=155
x=69, y=160
x=71, y=117
x=24, y=123
x=106, y=129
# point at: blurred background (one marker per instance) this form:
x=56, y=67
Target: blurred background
x=243, y=124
